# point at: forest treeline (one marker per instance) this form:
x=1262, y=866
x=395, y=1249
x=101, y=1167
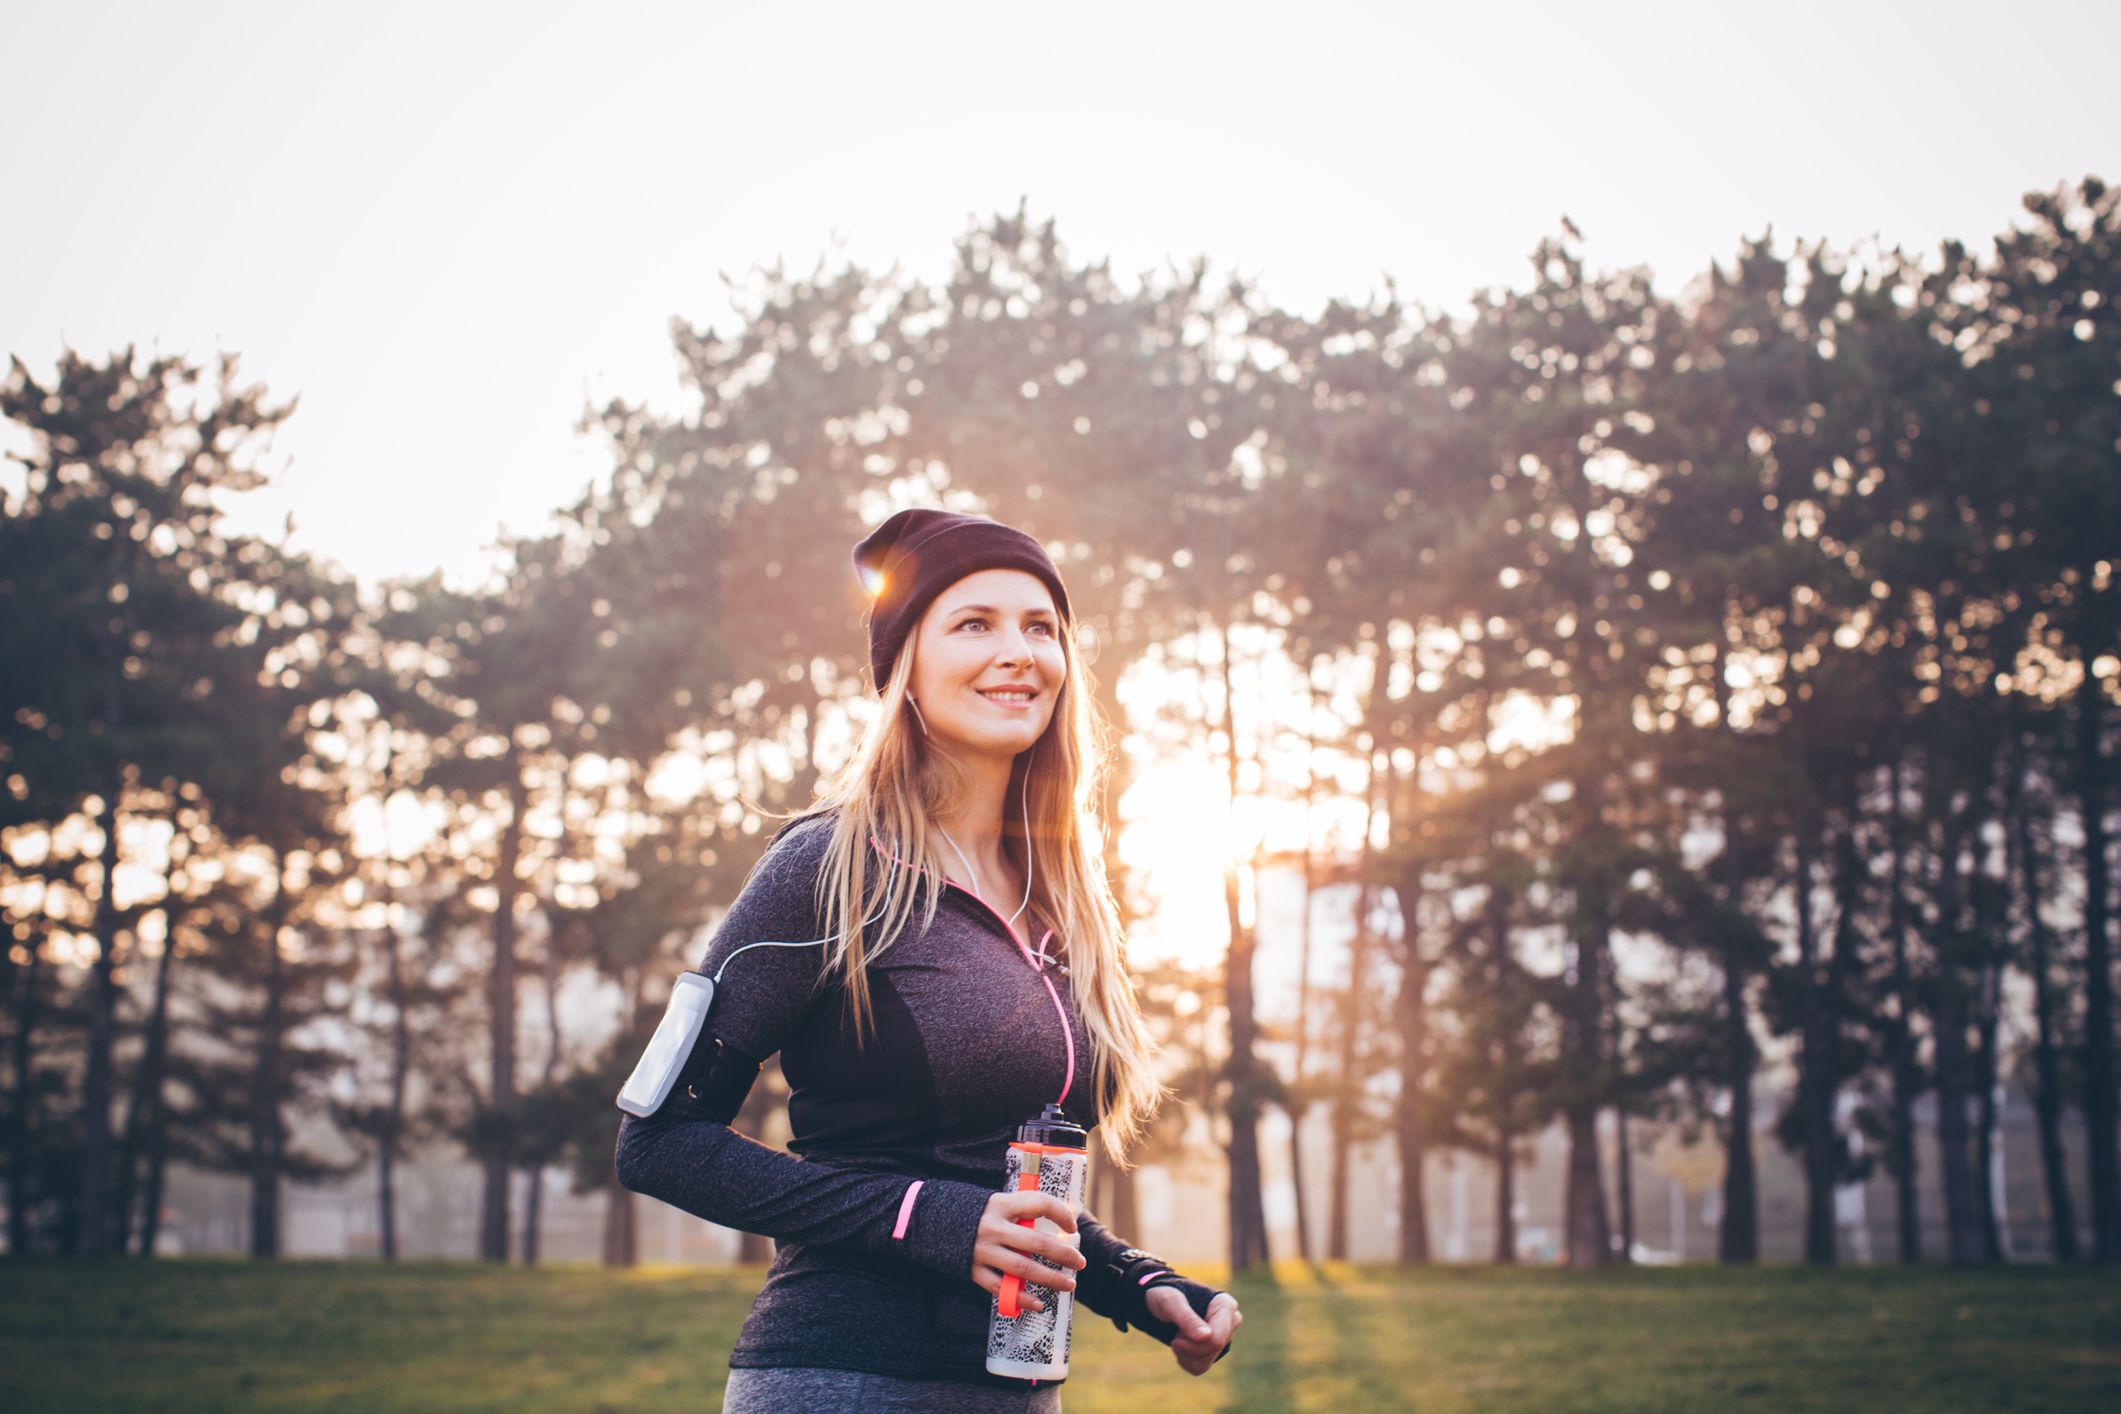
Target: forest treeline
x=1805, y=577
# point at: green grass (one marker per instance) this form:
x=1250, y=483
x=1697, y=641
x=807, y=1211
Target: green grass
x=222, y=1335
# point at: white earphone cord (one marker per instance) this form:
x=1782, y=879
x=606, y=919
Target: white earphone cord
x=1030, y=856
x=890, y=883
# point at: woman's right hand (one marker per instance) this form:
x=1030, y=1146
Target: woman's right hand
x=1003, y=1248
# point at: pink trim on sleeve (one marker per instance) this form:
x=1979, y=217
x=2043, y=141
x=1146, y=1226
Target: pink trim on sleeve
x=905, y=1211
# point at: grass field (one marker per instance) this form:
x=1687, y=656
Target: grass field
x=221, y=1335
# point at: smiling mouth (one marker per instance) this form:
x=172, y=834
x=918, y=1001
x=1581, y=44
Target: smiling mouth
x=1010, y=696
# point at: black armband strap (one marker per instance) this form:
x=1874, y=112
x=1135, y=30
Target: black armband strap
x=714, y=1083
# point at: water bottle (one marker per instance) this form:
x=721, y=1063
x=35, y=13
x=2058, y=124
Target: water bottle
x=1051, y=1155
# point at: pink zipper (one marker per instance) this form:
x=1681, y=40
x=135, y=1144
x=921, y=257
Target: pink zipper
x=1067, y=1031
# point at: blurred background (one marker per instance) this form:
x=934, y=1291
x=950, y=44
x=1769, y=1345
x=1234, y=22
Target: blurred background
x=1594, y=527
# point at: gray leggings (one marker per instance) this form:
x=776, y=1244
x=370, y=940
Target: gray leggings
x=806, y=1391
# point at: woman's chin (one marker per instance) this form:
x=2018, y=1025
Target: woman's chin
x=993, y=746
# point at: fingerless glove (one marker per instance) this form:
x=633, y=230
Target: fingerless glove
x=1136, y=1273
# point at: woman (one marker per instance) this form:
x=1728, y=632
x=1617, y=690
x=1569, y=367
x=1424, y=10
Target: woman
x=885, y=948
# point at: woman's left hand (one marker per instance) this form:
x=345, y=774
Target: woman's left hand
x=1198, y=1341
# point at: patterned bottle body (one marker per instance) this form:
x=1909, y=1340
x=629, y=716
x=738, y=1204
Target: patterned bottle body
x=1033, y=1345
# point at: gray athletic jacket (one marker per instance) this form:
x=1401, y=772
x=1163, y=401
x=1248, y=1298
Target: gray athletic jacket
x=901, y=1138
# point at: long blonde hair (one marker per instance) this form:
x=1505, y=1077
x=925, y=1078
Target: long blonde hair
x=882, y=850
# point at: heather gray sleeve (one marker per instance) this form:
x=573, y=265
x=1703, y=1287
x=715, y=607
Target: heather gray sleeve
x=695, y=1163
x=715, y=1173
x=763, y=991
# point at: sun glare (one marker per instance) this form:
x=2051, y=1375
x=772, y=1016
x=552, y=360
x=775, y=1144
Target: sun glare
x=1521, y=720
x=1177, y=833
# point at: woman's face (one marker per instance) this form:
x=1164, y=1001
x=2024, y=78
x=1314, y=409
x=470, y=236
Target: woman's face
x=988, y=664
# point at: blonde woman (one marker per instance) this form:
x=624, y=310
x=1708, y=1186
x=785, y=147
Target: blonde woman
x=936, y=958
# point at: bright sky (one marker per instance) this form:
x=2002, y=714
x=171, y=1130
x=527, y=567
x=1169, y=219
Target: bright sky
x=444, y=226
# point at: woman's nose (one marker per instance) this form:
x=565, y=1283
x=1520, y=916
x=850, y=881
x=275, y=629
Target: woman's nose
x=1012, y=649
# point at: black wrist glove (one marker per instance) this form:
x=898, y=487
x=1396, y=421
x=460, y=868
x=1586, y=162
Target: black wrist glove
x=1138, y=1273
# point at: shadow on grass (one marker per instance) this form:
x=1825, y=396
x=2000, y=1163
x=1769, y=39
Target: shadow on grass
x=351, y=1337
x=1357, y=1322
x=1259, y=1360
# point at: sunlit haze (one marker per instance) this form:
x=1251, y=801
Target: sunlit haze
x=446, y=231
x=445, y=228
x=1600, y=526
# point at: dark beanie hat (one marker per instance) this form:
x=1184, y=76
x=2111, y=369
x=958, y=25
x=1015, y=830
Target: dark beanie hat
x=917, y=554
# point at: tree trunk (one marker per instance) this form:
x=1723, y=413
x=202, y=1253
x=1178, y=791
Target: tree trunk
x=622, y=1246
x=1900, y=1045
x=1413, y=1017
x=1337, y=1181
x=534, y=1174
x=400, y=1075
x=18, y=1110
x=533, y=1206
x=1122, y=1208
x=1990, y=1200
x=1297, y=1102
x=1739, y=1240
x=2047, y=1060
x=1588, y=1234
x=1949, y=1022
x=144, y=1116
x=1413, y=1152
x=1818, y=1072
x=500, y=1116
x=1506, y=1199
x=1346, y=1085
x=1989, y=917
x=1625, y=1173
x=1825, y=1145
x=1248, y=1216
x=1296, y=1110
x=267, y=1125
x=151, y=1193
x=98, y=1081
x=1587, y=1226
x=1962, y=1225
x=1113, y=1198
x=2102, y=1133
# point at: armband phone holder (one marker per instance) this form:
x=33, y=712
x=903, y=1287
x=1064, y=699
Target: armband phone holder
x=670, y=1047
